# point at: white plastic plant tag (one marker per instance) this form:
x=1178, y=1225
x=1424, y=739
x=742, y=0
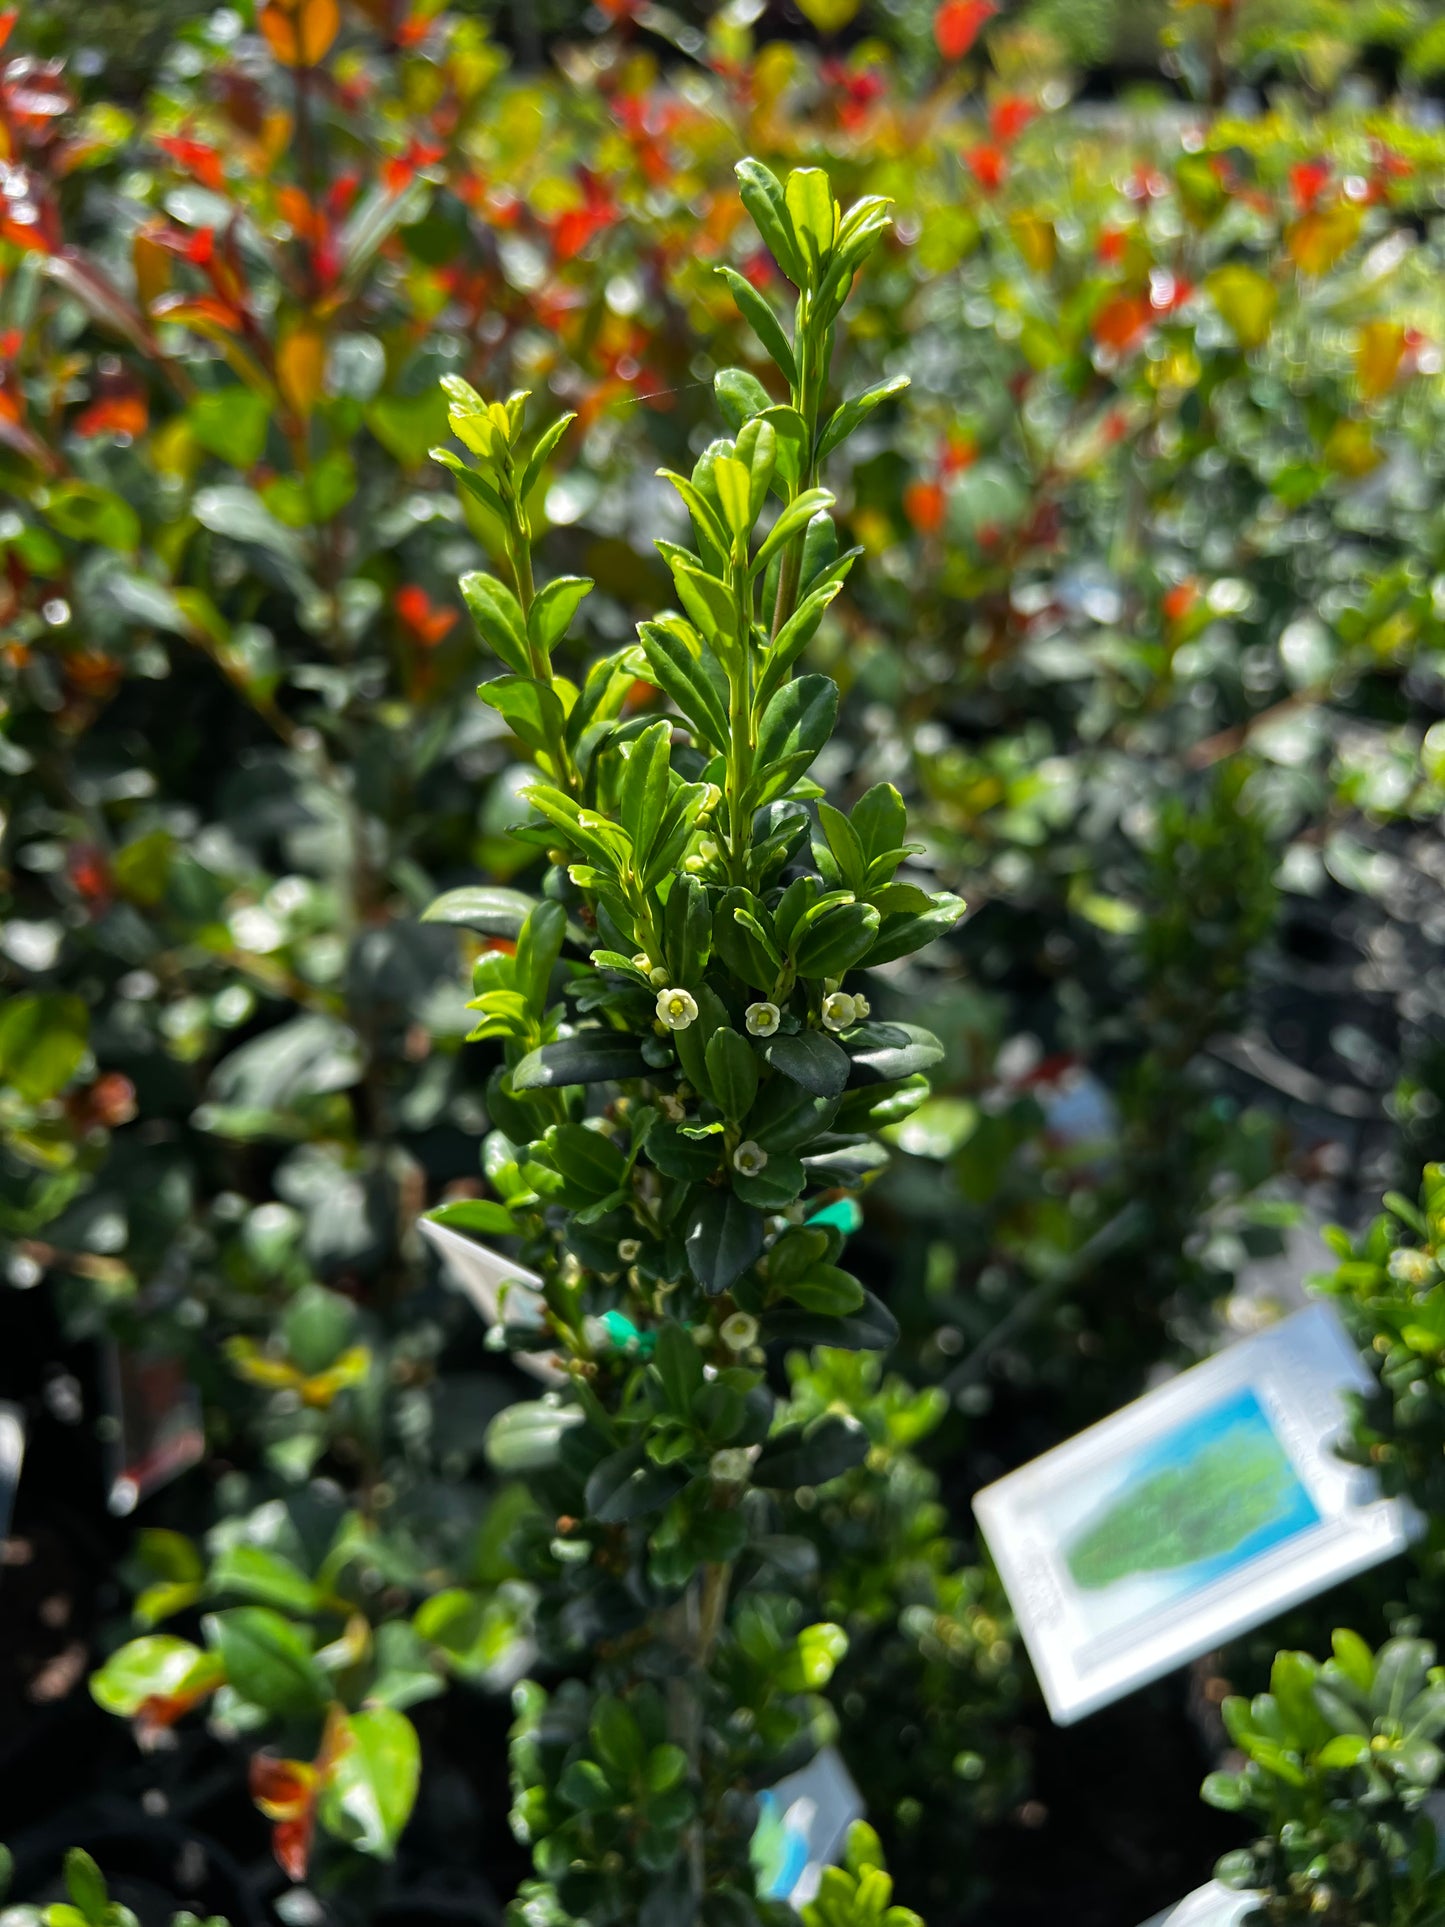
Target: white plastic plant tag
x=157, y=1430
x=1213, y=1906
x=12, y=1451
x=803, y=1822
x=503, y=1292
x=1192, y=1515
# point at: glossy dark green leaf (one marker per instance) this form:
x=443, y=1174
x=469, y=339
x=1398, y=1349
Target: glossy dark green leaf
x=800, y=1456
x=882, y=1053
x=591, y=1057
x=812, y=1059
x=723, y=1237
x=732, y=1068
x=627, y=1485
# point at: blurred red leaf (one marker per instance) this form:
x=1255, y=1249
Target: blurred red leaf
x=958, y=23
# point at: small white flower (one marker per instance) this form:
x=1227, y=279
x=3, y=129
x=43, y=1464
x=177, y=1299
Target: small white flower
x=731, y=1465
x=629, y=1250
x=657, y=977
x=762, y=1019
x=861, y=1006
x=1409, y=1267
x=749, y=1158
x=672, y=1108
x=840, y=1011
x=740, y=1332
x=676, y=1008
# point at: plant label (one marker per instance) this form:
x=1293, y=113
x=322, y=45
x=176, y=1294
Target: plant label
x=1213, y=1906
x=157, y=1429
x=1199, y=1511
x=803, y=1822
x=12, y=1451
x=503, y=1292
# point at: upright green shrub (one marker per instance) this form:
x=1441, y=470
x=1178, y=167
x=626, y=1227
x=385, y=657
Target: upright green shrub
x=691, y=1073
x=1339, y=1758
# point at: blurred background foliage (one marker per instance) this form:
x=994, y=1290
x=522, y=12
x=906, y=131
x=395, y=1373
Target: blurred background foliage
x=1148, y=626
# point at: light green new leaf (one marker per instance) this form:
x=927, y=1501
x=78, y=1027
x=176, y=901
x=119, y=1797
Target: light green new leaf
x=371, y=1789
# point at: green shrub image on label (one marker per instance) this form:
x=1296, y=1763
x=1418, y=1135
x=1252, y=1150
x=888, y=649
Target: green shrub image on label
x=1218, y=1491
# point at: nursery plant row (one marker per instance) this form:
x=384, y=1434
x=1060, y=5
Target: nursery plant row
x=579, y=1264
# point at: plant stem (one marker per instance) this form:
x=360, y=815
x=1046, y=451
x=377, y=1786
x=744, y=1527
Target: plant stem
x=519, y=554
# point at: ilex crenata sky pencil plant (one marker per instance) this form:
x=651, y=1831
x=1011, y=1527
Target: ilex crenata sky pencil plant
x=692, y=1083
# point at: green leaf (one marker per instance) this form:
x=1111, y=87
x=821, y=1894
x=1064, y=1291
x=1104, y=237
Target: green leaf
x=241, y=516
x=900, y=935
x=1354, y=1658
x=797, y=1456
x=740, y=395
x=763, y=197
x=268, y=1661
x=532, y=709
x=723, y=1237
x=811, y=1059
x=87, y=1886
x=757, y=447
x=643, y=792
x=833, y=943
x=539, y=945
x=709, y=602
x=872, y=1328
x=585, y=1786
x=263, y=1575
x=371, y=1789
x=317, y=1327
x=828, y=1289
x=882, y=1053
x=590, y=1162
x=763, y=322
x=732, y=1069
x=844, y=420
x=774, y=1187
x=1344, y=1750
x=627, y=1485
x=591, y=1057
x=407, y=425
x=797, y=515
x=553, y=608
x=498, y=616
x=679, y=674
x=541, y=450
x=616, y=1737
x=678, y=1364
x=489, y=907
x=1229, y=1792
x=527, y=1437
x=794, y=727
x=814, y=1658
x=793, y=638
x=813, y=214
x=712, y=534
x=230, y=423
x=156, y=1666
x=880, y=821
x=472, y=484
x=88, y=513
x=43, y=1041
